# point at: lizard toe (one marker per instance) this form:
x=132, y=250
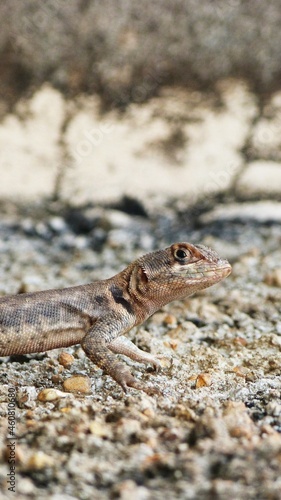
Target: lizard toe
x=163, y=362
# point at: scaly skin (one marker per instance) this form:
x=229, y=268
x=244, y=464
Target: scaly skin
x=98, y=315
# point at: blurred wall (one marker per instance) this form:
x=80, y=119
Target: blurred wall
x=125, y=50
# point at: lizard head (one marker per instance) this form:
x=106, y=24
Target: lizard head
x=177, y=272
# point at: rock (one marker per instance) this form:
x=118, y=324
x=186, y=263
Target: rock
x=273, y=278
x=66, y=359
x=39, y=461
x=78, y=383
x=50, y=395
x=203, y=380
x=260, y=211
x=237, y=420
x=100, y=429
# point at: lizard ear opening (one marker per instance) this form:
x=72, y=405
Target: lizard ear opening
x=144, y=274
x=138, y=278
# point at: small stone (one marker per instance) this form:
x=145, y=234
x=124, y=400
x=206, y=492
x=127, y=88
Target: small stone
x=183, y=332
x=158, y=318
x=31, y=424
x=149, y=412
x=26, y=396
x=50, y=395
x=117, y=219
x=170, y=434
x=241, y=371
x=273, y=363
x=66, y=359
x=18, y=455
x=118, y=238
x=57, y=224
x=274, y=278
x=26, y=487
x=156, y=460
x=100, y=429
x=78, y=383
x=66, y=409
x=240, y=341
x=39, y=461
x=170, y=320
x=29, y=414
x=57, y=379
x=237, y=420
x=203, y=380
x=172, y=344
x=128, y=489
x=127, y=427
x=273, y=408
x=183, y=412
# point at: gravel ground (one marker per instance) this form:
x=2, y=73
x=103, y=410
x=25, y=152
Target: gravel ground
x=215, y=432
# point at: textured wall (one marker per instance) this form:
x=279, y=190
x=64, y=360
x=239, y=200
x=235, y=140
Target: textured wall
x=125, y=50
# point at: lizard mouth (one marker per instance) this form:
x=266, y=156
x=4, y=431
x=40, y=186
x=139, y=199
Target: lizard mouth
x=209, y=272
x=224, y=270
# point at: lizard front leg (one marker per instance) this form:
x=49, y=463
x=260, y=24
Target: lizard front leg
x=96, y=345
x=124, y=346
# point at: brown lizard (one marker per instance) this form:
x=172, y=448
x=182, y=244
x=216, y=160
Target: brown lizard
x=97, y=315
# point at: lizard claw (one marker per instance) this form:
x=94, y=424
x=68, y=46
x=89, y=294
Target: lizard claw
x=162, y=362
x=128, y=380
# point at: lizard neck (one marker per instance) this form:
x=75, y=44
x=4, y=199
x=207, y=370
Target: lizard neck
x=140, y=292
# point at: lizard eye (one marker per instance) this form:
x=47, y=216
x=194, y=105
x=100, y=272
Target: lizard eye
x=181, y=254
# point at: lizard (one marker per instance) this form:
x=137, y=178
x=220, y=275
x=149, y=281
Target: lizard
x=99, y=314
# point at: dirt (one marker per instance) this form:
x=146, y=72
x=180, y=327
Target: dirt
x=215, y=430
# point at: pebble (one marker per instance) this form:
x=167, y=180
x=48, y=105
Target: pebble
x=51, y=395
x=240, y=341
x=117, y=219
x=26, y=487
x=127, y=427
x=237, y=420
x=185, y=413
x=100, y=429
x=57, y=224
x=18, y=454
x=203, y=380
x=39, y=461
x=260, y=211
x=273, y=408
x=171, y=344
x=128, y=489
x=241, y=371
x=78, y=383
x=26, y=396
x=273, y=278
x=66, y=359
x=170, y=320
x=57, y=378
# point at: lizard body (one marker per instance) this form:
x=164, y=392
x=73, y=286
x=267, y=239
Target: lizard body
x=97, y=315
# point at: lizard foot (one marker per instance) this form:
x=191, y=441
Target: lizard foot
x=126, y=380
